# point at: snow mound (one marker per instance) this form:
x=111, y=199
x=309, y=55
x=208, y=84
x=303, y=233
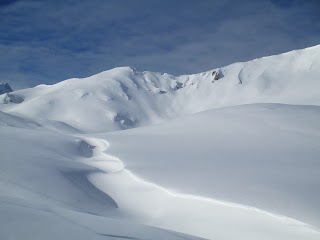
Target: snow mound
x=92, y=152
x=123, y=98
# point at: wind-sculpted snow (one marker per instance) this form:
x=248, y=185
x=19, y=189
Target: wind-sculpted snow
x=45, y=192
x=80, y=178
x=93, y=151
x=261, y=155
x=124, y=98
x=195, y=215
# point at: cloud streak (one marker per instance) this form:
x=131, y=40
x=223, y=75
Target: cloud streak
x=48, y=41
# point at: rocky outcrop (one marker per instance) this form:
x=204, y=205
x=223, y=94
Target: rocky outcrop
x=5, y=88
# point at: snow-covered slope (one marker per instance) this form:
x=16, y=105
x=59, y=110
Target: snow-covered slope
x=210, y=175
x=246, y=168
x=261, y=155
x=45, y=193
x=123, y=98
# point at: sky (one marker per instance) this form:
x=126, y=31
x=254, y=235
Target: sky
x=47, y=41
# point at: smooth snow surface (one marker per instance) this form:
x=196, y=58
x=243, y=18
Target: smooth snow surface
x=45, y=192
x=264, y=156
x=249, y=170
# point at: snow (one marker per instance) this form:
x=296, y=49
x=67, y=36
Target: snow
x=45, y=193
x=263, y=155
x=123, y=98
x=234, y=158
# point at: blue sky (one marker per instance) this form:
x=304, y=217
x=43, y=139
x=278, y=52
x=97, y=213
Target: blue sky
x=44, y=41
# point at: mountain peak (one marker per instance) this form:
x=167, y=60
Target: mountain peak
x=5, y=88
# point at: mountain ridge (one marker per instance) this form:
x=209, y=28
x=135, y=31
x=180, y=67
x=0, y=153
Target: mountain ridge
x=123, y=97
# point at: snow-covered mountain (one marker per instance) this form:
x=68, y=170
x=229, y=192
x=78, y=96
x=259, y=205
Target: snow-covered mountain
x=123, y=97
x=236, y=156
x=5, y=88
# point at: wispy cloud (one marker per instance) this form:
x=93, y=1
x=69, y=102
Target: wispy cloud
x=47, y=41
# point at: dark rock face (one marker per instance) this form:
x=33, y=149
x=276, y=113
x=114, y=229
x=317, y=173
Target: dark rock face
x=216, y=74
x=5, y=88
x=162, y=92
x=10, y=98
x=124, y=121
